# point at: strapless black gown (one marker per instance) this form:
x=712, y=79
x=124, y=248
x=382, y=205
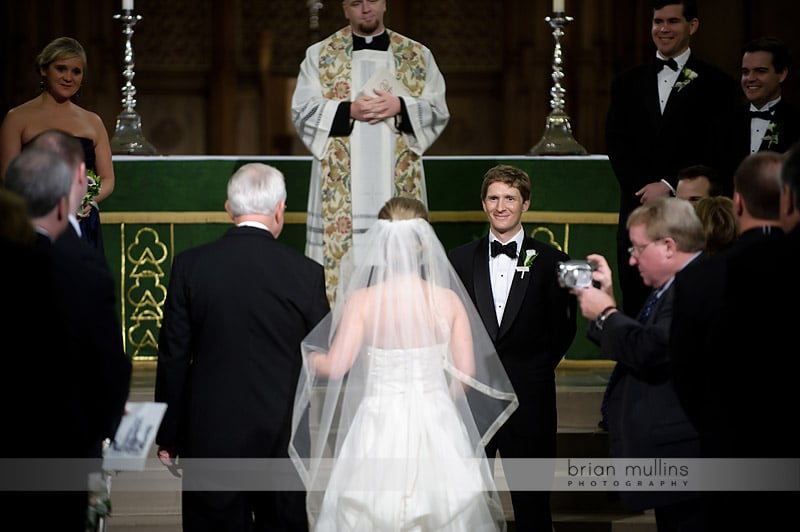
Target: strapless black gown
x=90, y=226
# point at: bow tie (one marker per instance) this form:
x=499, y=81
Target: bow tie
x=661, y=63
x=509, y=249
x=766, y=115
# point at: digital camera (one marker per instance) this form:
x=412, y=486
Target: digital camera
x=575, y=273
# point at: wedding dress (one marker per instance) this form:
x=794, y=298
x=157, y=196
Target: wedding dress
x=390, y=435
x=428, y=476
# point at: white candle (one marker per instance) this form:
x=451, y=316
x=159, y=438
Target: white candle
x=558, y=6
x=127, y=5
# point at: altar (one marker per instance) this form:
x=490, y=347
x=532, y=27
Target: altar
x=162, y=205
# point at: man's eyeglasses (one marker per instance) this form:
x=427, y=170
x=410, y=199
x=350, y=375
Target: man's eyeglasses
x=636, y=251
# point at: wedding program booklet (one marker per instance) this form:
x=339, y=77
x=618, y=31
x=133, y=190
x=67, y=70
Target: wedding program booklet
x=134, y=437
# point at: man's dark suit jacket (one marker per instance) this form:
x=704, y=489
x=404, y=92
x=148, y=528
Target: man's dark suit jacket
x=645, y=146
x=229, y=355
x=42, y=418
x=732, y=138
x=89, y=291
x=645, y=417
x=699, y=368
x=752, y=379
x=537, y=329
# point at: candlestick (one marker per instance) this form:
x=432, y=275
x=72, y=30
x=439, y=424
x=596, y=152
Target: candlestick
x=558, y=6
x=557, y=138
x=127, y=5
x=128, y=137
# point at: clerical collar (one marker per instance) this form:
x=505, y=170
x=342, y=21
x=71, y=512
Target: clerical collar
x=371, y=42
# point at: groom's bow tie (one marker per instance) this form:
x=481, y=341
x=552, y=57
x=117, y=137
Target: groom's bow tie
x=671, y=63
x=509, y=249
x=766, y=115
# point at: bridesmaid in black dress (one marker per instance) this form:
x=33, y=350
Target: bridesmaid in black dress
x=62, y=68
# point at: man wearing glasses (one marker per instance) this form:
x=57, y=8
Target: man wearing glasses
x=645, y=418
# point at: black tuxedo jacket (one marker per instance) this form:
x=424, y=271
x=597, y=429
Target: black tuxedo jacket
x=537, y=329
x=732, y=138
x=645, y=146
x=229, y=356
x=645, y=417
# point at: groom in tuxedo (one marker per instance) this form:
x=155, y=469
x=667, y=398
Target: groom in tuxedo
x=512, y=281
x=659, y=121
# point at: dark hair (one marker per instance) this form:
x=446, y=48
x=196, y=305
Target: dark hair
x=689, y=7
x=781, y=59
x=757, y=180
x=697, y=170
x=511, y=176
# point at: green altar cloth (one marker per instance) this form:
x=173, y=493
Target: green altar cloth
x=163, y=205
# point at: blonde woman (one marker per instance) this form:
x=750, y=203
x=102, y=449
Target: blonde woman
x=61, y=66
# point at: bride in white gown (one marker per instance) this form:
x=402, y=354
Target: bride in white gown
x=400, y=391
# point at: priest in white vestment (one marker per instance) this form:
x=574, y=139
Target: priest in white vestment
x=368, y=103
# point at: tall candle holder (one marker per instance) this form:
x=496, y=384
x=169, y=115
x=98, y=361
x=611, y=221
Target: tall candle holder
x=557, y=138
x=128, y=138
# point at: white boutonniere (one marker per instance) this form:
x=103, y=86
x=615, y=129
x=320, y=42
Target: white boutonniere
x=530, y=256
x=771, y=135
x=687, y=76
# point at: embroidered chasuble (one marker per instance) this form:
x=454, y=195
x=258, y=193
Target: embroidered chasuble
x=352, y=177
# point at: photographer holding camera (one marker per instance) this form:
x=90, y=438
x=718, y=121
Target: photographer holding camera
x=645, y=418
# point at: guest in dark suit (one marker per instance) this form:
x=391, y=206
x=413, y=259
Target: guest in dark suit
x=767, y=121
x=659, y=121
x=531, y=320
x=229, y=355
x=87, y=394
x=747, y=374
x=645, y=418
x=699, y=297
x=108, y=376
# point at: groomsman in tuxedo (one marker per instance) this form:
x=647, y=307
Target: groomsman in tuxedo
x=645, y=417
x=767, y=121
x=229, y=357
x=511, y=278
x=659, y=121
